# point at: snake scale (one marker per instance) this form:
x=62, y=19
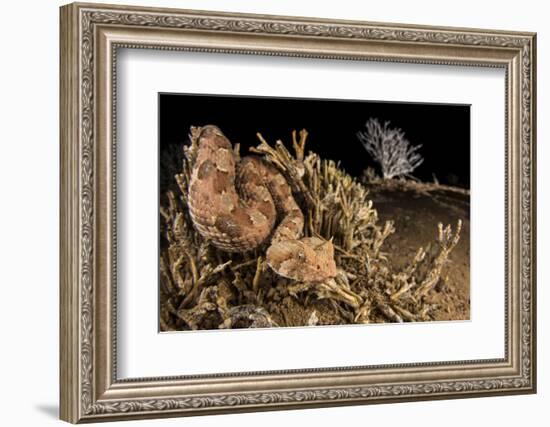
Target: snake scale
x=241, y=204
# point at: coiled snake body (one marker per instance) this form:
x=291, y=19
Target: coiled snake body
x=236, y=204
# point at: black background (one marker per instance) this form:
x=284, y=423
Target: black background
x=442, y=129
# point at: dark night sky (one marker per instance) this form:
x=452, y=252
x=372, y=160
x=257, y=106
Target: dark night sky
x=442, y=129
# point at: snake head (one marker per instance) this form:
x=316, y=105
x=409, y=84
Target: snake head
x=306, y=260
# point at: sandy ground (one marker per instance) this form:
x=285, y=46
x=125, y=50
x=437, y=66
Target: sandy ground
x=416, y=216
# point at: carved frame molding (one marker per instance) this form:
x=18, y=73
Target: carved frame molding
x=90, y=36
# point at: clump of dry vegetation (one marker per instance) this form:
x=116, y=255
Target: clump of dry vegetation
x=389, y=147
x=371, y=179
x=205, y=288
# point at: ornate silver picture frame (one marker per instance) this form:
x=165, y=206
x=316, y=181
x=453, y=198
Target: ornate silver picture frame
x=91, y=37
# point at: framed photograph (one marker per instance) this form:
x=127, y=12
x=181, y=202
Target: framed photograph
x=267, y=212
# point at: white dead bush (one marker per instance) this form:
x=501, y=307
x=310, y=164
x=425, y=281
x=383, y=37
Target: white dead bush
x=390, y=149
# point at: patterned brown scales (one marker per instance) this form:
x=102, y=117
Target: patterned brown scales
x=236, y=205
